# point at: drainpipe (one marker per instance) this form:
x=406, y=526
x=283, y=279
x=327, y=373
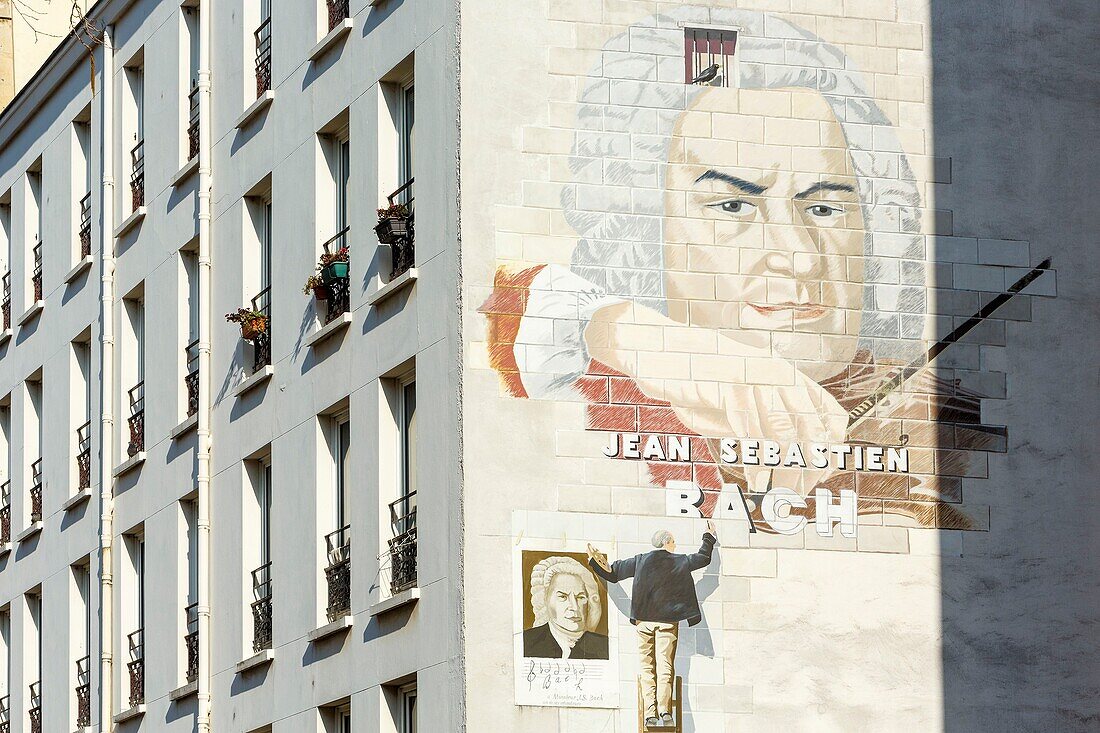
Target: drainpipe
x=106, y=384
x=203, y=427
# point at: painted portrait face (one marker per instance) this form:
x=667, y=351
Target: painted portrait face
x=763, y=228
x=567, y=603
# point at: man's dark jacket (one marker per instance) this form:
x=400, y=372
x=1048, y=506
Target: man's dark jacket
x=664, y=591
x=539, y=642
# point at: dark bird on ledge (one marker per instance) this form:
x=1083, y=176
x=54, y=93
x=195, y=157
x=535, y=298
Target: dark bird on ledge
x=706, y=75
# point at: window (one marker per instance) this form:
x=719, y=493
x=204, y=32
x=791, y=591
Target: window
x=189, y=262
x=5, y=663
x=262, y=37
x=406, y=137
x=261, y=577
x=408, y=439
x=5, y=253
x=190, y=512
x=133, y=615
x=338, y=542
x=402, y=510
x=708, y=56
x=80, y=409
x=190, y=42
x=5, y=465
x=80, y=636
x=32, y=657
x=82, y=183
x=133, y=121
x=133, y=369
x=33, y=447
x=34, y=230
x=408, y=709
x=335, y=281
x=396, y=160
x=259, y=210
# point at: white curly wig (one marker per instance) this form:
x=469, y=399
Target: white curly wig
x=542, y=575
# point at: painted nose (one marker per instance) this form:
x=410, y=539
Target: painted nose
x=792, y=250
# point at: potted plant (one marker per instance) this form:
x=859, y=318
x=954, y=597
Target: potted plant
x=315, y=285
x=334, y=265
x=392, y=223
x=253, y=322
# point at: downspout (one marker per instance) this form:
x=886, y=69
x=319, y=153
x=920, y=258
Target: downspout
x=106, y=385
x=203, y=426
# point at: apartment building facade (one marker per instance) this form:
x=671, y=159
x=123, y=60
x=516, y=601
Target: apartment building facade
x=154, y=131
x=572, y=366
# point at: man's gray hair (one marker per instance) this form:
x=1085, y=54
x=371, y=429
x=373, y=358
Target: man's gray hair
x=629, y=105
x=662, y=537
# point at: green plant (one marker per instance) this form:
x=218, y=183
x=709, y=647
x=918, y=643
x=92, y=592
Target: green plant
x=393, y=211
x=245, y=315
x=312, y=282
x=327, y=258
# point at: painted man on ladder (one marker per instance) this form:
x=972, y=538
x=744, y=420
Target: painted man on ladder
x=663, y=595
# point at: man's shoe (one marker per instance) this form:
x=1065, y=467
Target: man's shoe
x=666, y=720
x=652, y=722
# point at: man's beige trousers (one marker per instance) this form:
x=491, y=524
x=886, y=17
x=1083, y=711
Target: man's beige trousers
x=657, y=645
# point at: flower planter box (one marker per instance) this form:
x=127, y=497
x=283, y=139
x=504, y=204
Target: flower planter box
x=334, y=271
x=320, y=292
x=390, y=228
x=251, y=329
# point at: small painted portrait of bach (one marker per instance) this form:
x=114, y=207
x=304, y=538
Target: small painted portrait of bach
x=567, y=607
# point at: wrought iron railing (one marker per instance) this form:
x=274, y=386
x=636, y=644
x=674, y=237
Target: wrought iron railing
x=263, y=57
x=7, y=300
x=191, y=641
x=402, y=548
x=402, y=250
x=36, y=273
x=36, y=491
x=84, y=456
x=338, y=572
x=339, y=289
x=83, y=692
x=191, y=380
x=136, y=667
x=338, y=10
x=5, y=714
x=84, y=234
x=5, y=513
x=34, y=713
x=261, y=608
x=193, y=124
x=261, y=344
x=136, y=421
x=137, y=175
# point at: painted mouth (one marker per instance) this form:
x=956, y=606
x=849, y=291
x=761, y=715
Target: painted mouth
x=799, y=310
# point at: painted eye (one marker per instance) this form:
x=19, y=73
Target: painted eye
x=823, y=211
x=736, y=207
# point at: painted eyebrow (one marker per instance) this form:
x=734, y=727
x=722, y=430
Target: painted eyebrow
x=825, y=186
x=753, y=189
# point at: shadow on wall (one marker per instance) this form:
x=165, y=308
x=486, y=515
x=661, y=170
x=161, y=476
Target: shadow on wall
x=1014, y=106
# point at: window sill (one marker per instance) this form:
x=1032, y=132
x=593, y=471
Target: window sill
x=334, y=36
x=185, y=172
x=404, y=598
x=135, y=712
x=182, y=693
x=254, y=109
x=328, y=330
x=338, y=626
x=129, y=464
x=130, y=222
x=184, y=427
x=4, y=336
x=30, y=313
x=254, y=381
x=408, y=276
x=256, y=660
x=31, y=531
x=76, y=500
x=83, y=265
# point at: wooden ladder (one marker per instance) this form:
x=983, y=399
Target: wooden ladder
x=677, y=711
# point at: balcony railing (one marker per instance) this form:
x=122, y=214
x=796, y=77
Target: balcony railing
x=5, y=513
x=337, y=12
x=261, y=345
x=402, y=548
x=36, y=491
x=191, y=641
x=85, y=231
x=83, y=692
x=191, y=381
x=136, y=421
x=263, y=57
x=338, y=573
x=193, y=124
x=136, y=667
x=36, y=273
x=137, y=175
x=261, y=608
x=84, y=456
x=339, y=289
x=5, y=714
x=402, y=251
x=35, y=710
x=7, y=300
